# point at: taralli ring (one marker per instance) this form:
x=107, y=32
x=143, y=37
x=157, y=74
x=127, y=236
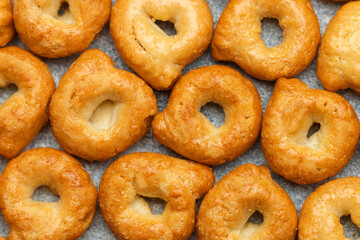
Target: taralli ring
x=66, y=219
x=6, y=22
x=338, y=65
x=25, y=112
x=98, y=111
x=289, y=150
x=320, y=215
x=225, y=210
x=237, y=37
x=59, y=28
x=147, y=49
x=134, y=176
x=183, y=128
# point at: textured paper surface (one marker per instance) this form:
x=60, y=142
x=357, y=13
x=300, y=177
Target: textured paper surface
x=272, y=36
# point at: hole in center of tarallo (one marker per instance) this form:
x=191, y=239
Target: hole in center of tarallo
x=256, y=218
x=157, y=205
x=64, y=7
x=64, y=13
x=315, y=127
x=252, y=225
x=43, y=194
x=214, y=112
x=350, y=229
x=271, y=32
x=167, y=26
x=7, y=92
x=105, y=115
x=148, y=206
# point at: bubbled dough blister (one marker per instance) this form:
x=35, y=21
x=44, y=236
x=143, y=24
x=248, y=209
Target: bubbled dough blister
x=98, y=230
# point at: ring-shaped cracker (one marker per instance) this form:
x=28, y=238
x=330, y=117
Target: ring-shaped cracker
x=237, y=37
x=292, y=110
x=98, y=111
x=147, y=49
x=338, y=65
x=63, y=220
x=225, y=210
x=51, y=30
x=178, y=182
x=183, y=128
x=7, y=30
x=25, y=112
x=321, y=212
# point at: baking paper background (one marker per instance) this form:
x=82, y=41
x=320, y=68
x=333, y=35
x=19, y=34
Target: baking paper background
x=272, y=35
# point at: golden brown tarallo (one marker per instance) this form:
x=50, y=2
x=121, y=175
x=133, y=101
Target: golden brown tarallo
x=321, y=212
x=289, y=150
x=338, y=65
x=26, y=111
x=7, y=30
x=157, y=57
x=59, y=28
x=183, y=128
x=225, y=210
x=98, y=111
x=66, y=219
x=237, y=37
x=137, y=175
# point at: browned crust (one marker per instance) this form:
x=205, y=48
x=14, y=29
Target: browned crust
x=25, y=112
x=321, y=212
x=178, y=182
x=184, y=129
x=66, y=219
x=47, y=36
x=292, y=109
x=90, y=80
x=151, y=53
x=237, y=37
x=7, y=30
x=226, y=208
x=339, y=52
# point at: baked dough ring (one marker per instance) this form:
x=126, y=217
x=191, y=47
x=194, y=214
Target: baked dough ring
x=338, y=65
x=291, y=111
x=25, y=112
x=184, y=129
x=225, y=210
x=98, y=111
x=63, y=220
x=6, y=22
x=150, y=52
x=237, y=37
x=52, y=35
x=320, y=215
x=153, y=175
